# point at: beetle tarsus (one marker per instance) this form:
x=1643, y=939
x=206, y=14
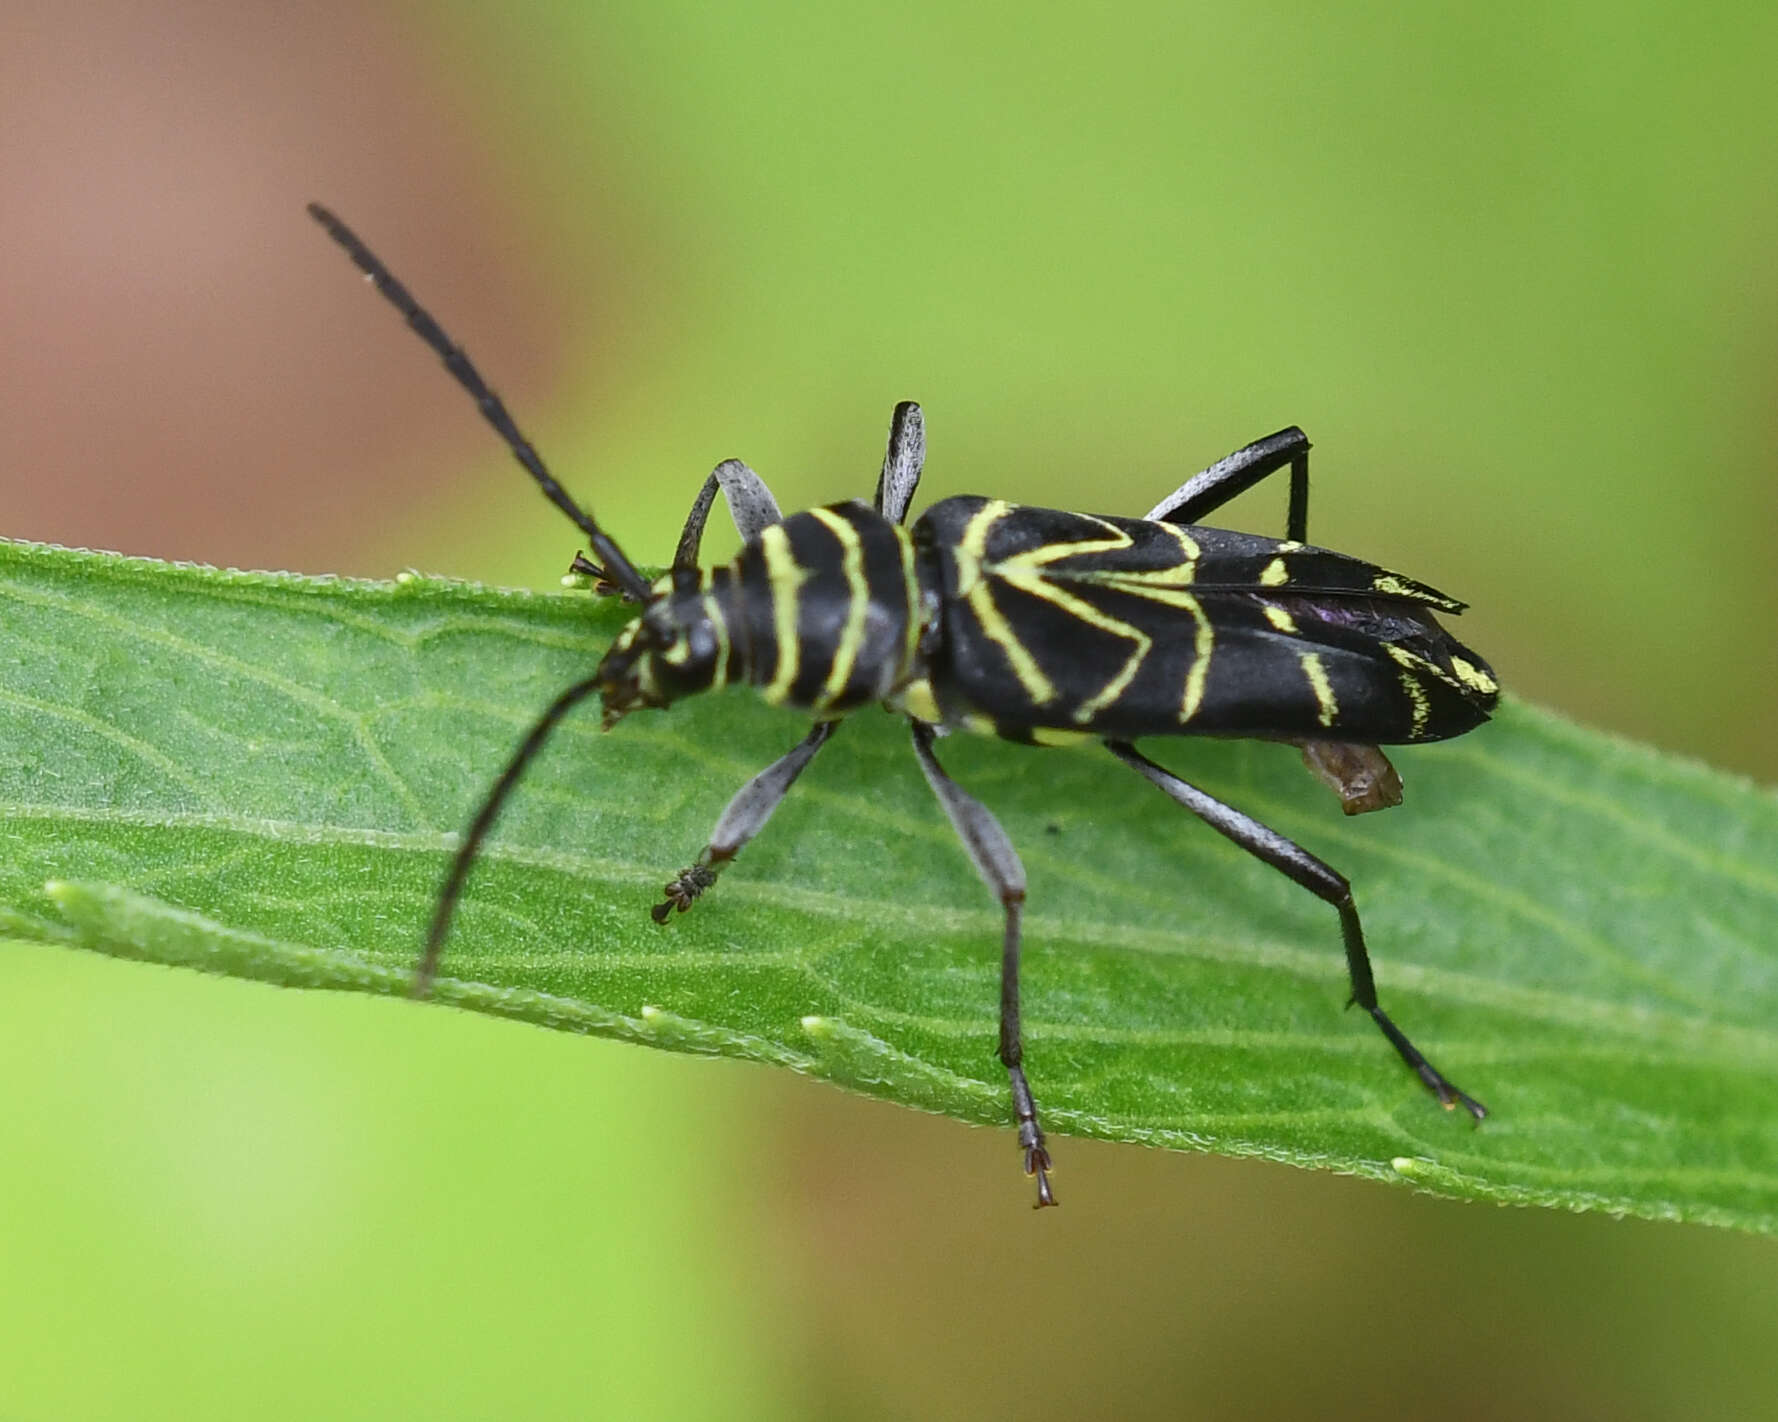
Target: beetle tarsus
x=1037, y=1162
x=683, y=891
x=1434, y=1080
x=1037, y=1156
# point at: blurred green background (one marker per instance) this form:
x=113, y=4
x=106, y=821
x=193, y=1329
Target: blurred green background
x=1510, y=267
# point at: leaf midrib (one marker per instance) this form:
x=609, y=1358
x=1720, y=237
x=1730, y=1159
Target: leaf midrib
x=1686, y=1039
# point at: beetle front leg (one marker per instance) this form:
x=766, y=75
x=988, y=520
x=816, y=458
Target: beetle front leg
x=1325, y=883
x=998, y=864
x=750, y=504
x=745, y=817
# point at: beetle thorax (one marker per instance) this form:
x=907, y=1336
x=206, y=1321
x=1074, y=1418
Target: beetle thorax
x=820, y=612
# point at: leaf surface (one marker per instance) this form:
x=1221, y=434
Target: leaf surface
x=263, y=775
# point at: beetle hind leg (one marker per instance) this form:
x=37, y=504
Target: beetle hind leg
x=1435, y=1081
x=1211, y=488
x=1326, y=883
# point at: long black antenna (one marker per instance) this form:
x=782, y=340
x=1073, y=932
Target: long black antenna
x=616, y=566
x=484, y=819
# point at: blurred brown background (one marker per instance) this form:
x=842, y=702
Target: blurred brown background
x=1511, y=271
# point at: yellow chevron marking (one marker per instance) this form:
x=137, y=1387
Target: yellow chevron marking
x=1141, y=642
x=1141, y=585
x=1323, y=688
x=1177, y=576
x=1474, y=677
x=1279, y=618
x=1414, y=666
x=1025, y=571
x=1115, y=539
x=1415, y=662
x=1188, y=546
x=1163, y=585
x=1417, y=696
x=1032, y=572
x=845, y=654
x=784, y=578
x=1274, y=574
x=1203, y=634
x=1393, y=585
x=970, y=550
x=1180, y=575
x=973, y=545
x=1204, y=641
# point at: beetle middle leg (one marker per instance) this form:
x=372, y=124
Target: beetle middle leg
x=745, y=817
x=1325, y=883
x=1210, y=489
x=998, y=863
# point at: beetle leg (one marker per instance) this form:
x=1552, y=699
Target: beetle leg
x=902, y=462
x=1319, y=879
x=998, y=863
x=1210, y=490
x=749, y=501
x=745, y=817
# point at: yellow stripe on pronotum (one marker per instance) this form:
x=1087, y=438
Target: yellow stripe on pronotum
x=845, y=653
x=786, y=577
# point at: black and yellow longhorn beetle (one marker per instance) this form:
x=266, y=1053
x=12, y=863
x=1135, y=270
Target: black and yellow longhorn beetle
x=1035, y=625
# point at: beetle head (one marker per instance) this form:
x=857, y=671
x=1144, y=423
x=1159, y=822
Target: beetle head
x=668, y=652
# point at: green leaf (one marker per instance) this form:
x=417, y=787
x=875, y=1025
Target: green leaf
x=263, y=775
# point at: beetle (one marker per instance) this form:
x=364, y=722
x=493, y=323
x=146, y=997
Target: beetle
x=1036, y=625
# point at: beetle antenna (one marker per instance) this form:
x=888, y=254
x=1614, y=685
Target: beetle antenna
x=456, y=360
x=483, y=822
